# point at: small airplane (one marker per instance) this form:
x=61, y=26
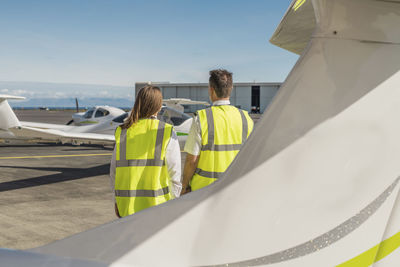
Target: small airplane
x=11, y=129
x=99, y=114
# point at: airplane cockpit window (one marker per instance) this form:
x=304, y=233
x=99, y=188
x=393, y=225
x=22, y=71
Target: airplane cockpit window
x=101, y=113
x=88, y=114
x=172, y=116
x=120, y=118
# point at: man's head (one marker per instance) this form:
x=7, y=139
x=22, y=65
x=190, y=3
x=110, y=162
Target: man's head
x=220, y=84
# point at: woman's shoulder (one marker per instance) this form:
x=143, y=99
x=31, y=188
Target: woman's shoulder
x=163, y=123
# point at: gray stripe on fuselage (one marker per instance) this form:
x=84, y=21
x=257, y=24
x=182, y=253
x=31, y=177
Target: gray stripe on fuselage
x=321, y=241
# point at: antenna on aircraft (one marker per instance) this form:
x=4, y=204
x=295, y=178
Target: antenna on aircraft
x=76, y=104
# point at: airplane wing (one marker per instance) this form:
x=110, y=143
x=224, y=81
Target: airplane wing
x=295, y=30
x=31, y=133
x=184, y=101
x=176, y=103
x=11, y=97
x=41, y=125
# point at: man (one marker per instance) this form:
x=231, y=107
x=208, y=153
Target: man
x=216, y=135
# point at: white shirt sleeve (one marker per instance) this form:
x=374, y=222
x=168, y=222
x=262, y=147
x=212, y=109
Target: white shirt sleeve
x=112, y=171
x=193, y=142
x=173, y=162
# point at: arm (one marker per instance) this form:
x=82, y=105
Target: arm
x=192, y=149
x=188, y=171
x=112, y=169
x=112, y=178
x=173, y=161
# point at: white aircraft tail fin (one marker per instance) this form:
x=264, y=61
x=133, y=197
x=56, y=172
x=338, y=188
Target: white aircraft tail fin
x=296, y=28
x=7, y=115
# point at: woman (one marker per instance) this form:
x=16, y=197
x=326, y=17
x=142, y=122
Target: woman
x=146, y=163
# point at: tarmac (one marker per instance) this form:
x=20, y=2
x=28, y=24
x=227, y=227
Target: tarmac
x=48, y=192
x=52, y=191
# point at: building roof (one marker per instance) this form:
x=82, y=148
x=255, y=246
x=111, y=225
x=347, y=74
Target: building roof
x=206, y=84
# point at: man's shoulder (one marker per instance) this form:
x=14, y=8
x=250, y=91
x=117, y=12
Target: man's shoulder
x=201, y=111
x=240, y=110
x=204, y=109
x=118, y=129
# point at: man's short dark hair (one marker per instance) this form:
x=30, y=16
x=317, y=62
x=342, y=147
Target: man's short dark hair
x=221, y=81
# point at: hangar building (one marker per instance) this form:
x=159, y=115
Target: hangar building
x=247, y=96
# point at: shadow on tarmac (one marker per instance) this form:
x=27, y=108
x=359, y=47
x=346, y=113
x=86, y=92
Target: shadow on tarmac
x=66, y=174
x=87, y=149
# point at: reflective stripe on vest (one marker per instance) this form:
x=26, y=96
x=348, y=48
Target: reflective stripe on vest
x=142, y=193
x=123, y=162
x=211, y=131
x=216, y=158
x=142, y=183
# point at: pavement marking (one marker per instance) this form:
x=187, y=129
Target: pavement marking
x=56, y=156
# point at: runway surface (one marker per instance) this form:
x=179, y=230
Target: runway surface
x=50, y=191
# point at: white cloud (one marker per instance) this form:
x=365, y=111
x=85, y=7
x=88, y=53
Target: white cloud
x=17, y=92
x=35, y=90
x=58, y=95
x=104, y=93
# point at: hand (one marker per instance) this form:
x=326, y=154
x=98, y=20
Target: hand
x=116, y=211
x=186, y=190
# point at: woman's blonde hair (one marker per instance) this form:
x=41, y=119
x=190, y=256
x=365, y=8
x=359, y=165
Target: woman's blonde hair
x=148, y=102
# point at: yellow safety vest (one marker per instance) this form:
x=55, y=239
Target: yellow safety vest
x=224, y=129
x=141, y=178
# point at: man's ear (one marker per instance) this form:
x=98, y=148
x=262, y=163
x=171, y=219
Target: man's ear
x=211, y=91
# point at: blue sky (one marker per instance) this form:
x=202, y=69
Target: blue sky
x=121, y=42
